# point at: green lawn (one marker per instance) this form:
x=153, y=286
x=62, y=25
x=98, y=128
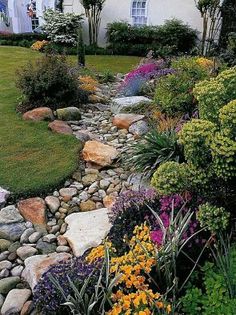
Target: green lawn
x=32, y=159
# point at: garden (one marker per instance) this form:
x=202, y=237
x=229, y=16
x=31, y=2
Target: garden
x=118, y=173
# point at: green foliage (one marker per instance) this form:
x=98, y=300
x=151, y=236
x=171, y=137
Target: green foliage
x=214, y=218
x=223, y=150
x=195, y=137
x=174, y=92
x=50, y=83
x=170, y=177
x=172, y=38
x=106, y=77
x=212, y=95
x=227, y=117
x=80, y=48
x=157, y=148
x=214, y=297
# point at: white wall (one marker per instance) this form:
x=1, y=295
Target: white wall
x=158, y=12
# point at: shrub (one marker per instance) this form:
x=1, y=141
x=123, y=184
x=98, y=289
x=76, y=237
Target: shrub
x=171, y=178
x=212, y=95
x=62, y=27
x=196, y=137
x=49, y=82
x=227, y=117
x=223, y=151
x=172, y=38
x=156, y=148
x=174, y=92
x=214, y=218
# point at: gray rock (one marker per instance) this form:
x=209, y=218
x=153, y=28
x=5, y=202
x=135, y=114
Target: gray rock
x=122, y=103
x=4, y=273
x=4, y=194
x=33, y=238
x=9, y=215
x=45, y=247
x=16, y=271
x=62, y=249
x=12, y=232
x=4, y=255
x=25, y=236
x=50, y=238
x=15, y=301
x=68, y=192
x=68, y=113
x=5, y=264
x=26, y=251
x=84, y=196
x=1, y=300
x=104, y=183
x=4, y=244
x=139, y=128
x=53, y=203
x=8, y=284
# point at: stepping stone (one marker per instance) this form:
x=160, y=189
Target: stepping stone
x=39, y=114
x=68, y=114
x=99, y=153
x=15, y=301
x=33, y=210
x=60, y=126
x=87, y=229
x=120, y=104
x=35, y=266
x=4, y=194
x=124, y=121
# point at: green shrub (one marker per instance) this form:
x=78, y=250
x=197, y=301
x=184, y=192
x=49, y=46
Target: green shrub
x=196, y=137
x=170, y=178
x=213, y=298
x=212, y=95
x=200, y=178
x=172, y=38
x=49, y=82
x=223, y=150
x=174, y=92
x=227, y=117
x=214, y=218
x=157, y=148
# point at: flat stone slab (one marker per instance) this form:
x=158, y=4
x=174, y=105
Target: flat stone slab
x=87, y=229
x=121, y=103
x=99, y=153
x=124, y=121
x=35, y=266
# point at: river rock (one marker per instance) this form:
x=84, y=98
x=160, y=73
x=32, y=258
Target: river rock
x=4, y=244
x=4, y=194
x=53, y=203
x=88, y=205
x=122, y=103
x=99, y=153
x=26, y=251
x=87, y=229
x=33, y=210
x=124, y=121
x=35, y=266
x=38, y=114
x=8, y=284
x=68, y=113
x=60, y=126
x=11, y=223
x=139, y=128
x=15, y=301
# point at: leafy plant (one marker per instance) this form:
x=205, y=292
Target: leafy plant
x=49, y=82
x=227, y=118
x=155, y=149
x=214, y=218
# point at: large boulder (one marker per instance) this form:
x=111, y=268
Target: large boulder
x=87, y=229
x=38, y=114
x=68, y=114
x=15, y=301
x=33, y=210
x=124, y=121
x=4, y=194
x=60, y=126
x=99, y=153
x=122, y=103
x=35, y=266
x=11, y=223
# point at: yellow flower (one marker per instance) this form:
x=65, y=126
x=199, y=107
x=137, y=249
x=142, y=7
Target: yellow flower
x=168, y=309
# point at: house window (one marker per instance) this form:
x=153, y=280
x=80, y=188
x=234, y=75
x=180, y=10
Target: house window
x=139, y=12
x=32, y=12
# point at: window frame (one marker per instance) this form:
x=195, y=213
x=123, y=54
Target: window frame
x=141, y=16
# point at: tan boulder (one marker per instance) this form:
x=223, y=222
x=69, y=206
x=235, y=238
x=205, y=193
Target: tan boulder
x=39, y=114
x=33, y=210
x=60, y=126
x=35, y=266
x=88, y=205
x=109, y=201
x=99, y=153
x=124, y=121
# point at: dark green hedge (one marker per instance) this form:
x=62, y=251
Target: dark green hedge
x=172, y=38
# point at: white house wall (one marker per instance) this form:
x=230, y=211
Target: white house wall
x=158, y=11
